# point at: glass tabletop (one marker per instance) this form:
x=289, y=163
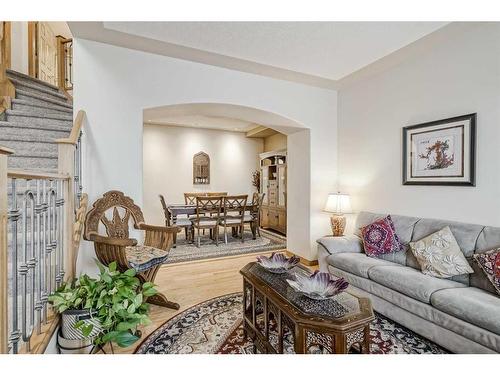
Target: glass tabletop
x=334, y=308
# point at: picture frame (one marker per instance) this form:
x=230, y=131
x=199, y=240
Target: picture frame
x=441, y=152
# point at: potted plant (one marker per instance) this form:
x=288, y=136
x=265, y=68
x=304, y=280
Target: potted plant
x=106, y=309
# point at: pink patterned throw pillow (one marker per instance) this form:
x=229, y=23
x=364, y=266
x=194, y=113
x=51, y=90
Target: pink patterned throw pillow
x=380, y=238
x=490, y=264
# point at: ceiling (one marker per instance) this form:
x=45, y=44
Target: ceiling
x=315, y=53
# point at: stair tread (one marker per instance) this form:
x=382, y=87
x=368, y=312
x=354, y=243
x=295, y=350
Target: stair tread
x=44, y=98
x=13, y=112
x=37, y=88
x=54, y=107
x=15, y=125
x=11, y=72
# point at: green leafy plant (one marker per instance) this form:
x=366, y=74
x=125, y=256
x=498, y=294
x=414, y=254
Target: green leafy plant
x=116, y=299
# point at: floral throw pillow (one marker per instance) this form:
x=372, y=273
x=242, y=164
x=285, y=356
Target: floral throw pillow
x=380, y=238
x=440, y=256
x=490, y=264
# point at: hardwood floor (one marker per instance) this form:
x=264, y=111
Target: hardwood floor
x=191, y=283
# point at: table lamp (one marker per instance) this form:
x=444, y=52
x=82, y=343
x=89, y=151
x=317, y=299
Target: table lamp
x=338, y=204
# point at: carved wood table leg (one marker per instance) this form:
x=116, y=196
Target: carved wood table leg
x=161, y=300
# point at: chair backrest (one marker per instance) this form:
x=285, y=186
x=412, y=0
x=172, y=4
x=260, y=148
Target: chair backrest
x=216, y=194
x=257, y=200
x=208, y=206
x=235, y=204
x=117, y=227
x=166, y=212
x=190, y=198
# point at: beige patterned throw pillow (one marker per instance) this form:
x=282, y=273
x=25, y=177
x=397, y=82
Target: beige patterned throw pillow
x=439, y=255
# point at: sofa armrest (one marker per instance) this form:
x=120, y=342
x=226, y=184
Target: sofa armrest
x=346, y=244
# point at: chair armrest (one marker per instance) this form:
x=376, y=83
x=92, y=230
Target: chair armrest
x=155, y=228
x=345, y=244
x=113, y=241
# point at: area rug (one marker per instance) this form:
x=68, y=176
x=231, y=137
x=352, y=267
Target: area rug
x=185, y=252
x=215, y=327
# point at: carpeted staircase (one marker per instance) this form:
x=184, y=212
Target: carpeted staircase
x=40, y=114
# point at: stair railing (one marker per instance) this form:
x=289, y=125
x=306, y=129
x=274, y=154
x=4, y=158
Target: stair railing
x=33, y=256
x=65, y=63
x=7, y=90
x=40, y=232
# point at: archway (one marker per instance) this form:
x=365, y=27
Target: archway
x=298, y=148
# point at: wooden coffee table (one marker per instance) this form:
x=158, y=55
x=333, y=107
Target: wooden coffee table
x=280, y=320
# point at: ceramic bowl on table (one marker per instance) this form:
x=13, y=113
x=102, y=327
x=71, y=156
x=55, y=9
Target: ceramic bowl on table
x=278, y=263
x=319, y=285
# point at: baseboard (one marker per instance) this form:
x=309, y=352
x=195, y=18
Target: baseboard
x=304, y=261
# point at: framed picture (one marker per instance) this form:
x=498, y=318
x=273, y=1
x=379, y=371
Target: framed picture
x=440, y=152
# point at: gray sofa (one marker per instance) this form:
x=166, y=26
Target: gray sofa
x=462, y=314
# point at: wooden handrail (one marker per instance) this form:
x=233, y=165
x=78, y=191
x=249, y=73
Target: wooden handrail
x=31, y=175
x=75, y=130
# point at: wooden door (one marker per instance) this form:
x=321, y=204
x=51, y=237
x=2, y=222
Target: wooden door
x=273, y=219
x=264, y=217
x=282, y=185
x=47, y=54
x=282, y=221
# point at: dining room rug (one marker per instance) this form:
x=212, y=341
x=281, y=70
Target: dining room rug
x=215, y=327
x=185, y=252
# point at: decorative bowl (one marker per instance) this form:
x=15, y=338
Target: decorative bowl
x=278, y=263
x=318, y=286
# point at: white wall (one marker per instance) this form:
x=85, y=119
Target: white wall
x=168, y=164
x=458, y=76
x=115, y=84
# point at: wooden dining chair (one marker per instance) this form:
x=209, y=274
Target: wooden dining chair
x=234, y=215
x=116, y=246
x=208, y=213
x=190, y=198
x=217, y=194
x=181, y=222
x=253, y=216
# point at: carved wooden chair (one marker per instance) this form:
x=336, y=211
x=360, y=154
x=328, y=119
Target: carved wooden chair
x=117, y=247
x=234, y=215
x=253, y=217
x=181, y=222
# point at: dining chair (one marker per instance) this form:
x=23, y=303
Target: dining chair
x=234, y=214
x=217, y=194
x=182, y=222
x=190, y=198
x=253, y=217
x=208, y=211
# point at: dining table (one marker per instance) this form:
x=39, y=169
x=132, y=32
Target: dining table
x=190, y=209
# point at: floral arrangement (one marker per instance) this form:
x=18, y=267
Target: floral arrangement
x=319, y=285
x=278, y=263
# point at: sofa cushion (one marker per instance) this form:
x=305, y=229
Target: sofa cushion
x=380, y=238
x=358, y=264
x=490, y=265
x=470, y=304
x=439, y=255
x=424, y=311
x=411, y=282
x=404, y=229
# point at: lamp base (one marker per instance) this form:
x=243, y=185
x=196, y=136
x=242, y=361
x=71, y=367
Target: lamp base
x=338, y=225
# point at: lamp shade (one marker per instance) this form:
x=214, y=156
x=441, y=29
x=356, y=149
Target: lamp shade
x=338, y=203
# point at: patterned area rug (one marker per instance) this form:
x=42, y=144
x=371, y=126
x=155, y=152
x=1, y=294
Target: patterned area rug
x=185, y=252
x=215, y=327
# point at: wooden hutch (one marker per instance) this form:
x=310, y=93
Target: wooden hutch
x=273, y=185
